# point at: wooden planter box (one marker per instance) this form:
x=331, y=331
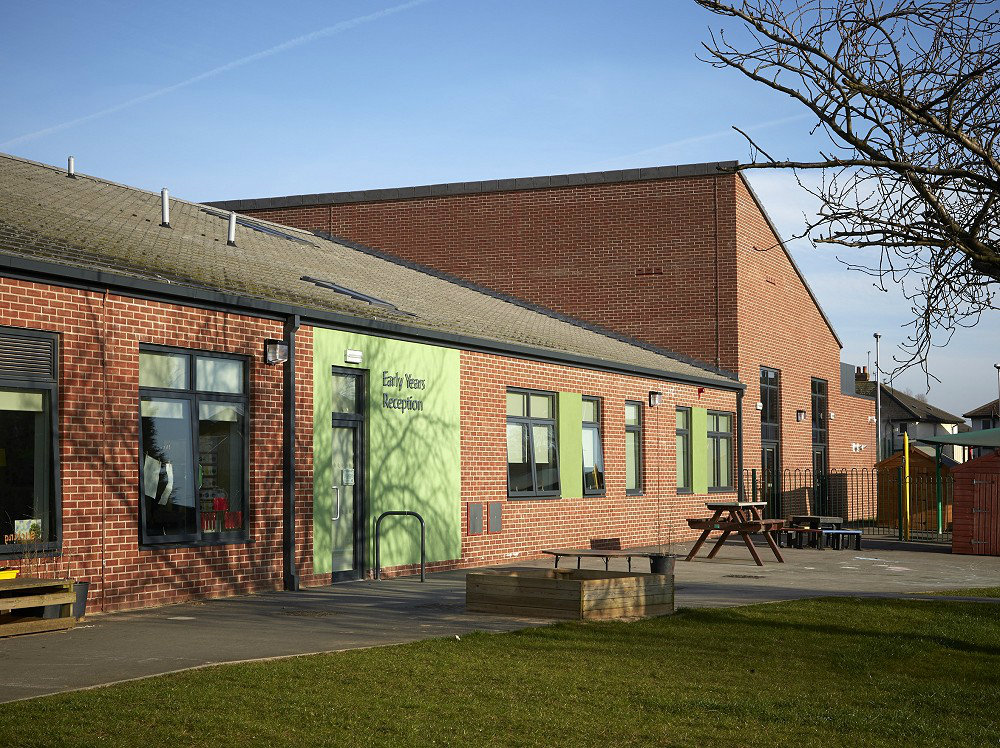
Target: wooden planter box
x=22, y=601
x=570, y=593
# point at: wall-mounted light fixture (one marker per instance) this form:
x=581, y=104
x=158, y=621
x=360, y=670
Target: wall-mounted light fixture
x=760, y=406
x=800, y=415
x=655, y=398
x=275, y=352
x=352, y=356
x=832, y=415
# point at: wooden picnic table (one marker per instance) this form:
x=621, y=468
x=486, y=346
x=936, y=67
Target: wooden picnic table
x=743, y=518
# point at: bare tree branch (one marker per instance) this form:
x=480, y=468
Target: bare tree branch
x=908, y=93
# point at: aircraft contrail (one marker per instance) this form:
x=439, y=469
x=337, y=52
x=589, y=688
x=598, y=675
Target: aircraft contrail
x=707, y=136
x=290, y=44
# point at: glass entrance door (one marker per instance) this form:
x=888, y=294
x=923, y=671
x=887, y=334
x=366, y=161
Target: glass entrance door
x=347, y=475
x=343, y=474
x=770, y=483
x=821, y=493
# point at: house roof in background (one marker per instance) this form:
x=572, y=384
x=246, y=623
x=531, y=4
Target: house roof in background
x=920, y=410
x=51, y=224
x=984, y=411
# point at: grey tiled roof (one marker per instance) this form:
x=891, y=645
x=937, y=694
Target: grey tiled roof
x=920, y=410
x=94, y=224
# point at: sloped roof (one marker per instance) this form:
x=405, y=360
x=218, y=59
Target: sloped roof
x=111, y=233
x=984, y=411
x=920, y=410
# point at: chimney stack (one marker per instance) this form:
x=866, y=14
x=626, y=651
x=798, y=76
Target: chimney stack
x=231, y=238
x=71, y=167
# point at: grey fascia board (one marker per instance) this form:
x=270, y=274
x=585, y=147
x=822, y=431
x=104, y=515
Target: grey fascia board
x=552, y=181
x=781, y=242
x=67, y=275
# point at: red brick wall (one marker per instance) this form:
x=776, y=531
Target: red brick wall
x=780, y=327
x=532, y=524
x=99, y=338
x=641, y=258
x=637, y=257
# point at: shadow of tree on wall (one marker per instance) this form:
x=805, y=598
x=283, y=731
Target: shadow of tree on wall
x=413, y=455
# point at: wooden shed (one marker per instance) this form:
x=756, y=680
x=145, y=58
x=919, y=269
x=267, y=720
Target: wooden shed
x=977, y=506
x=923, y=491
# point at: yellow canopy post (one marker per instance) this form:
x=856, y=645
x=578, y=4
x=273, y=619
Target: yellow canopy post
x=906, y=484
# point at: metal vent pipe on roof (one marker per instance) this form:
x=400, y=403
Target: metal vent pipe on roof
x=71, y=167
x=165, y=210
x=231, y=238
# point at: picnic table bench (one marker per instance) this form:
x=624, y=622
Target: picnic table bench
x=743, y=518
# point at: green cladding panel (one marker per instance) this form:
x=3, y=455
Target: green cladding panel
x=571, y=444
x=699, y=450
x=413, y=455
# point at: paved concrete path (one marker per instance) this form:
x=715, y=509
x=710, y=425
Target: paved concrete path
x=121, y=646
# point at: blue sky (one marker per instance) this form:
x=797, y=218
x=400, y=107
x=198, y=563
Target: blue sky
x=248, y=99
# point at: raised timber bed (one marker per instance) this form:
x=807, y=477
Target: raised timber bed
x=570, y=593
x=23, y=600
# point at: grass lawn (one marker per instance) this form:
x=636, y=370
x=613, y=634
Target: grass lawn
x=968, y=592
x=808, y=673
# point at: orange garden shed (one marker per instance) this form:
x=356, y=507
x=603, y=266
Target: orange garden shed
x=923, y=491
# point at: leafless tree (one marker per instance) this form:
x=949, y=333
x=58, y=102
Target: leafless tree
x=906, y=91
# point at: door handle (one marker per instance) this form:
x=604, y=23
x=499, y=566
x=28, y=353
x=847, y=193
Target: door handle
x=337, y=516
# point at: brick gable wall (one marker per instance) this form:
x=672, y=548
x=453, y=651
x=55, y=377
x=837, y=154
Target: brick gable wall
x=644, y=259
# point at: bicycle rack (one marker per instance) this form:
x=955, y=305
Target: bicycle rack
x=378, y=540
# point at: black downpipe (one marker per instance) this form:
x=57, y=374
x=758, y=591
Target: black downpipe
x=740, y=487
x=291, y=576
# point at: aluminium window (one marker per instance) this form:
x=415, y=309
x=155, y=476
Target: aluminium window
x=193, y=467
x=720, y=451
x=820, y=406
x=684, y=456
x=633, y=447
x=532, y=446
x=30, y=507
x=593, y=452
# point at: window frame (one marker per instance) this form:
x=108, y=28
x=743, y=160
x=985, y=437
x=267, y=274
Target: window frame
x=529, y=421
x=714, y=440
x=595, y=426
x=636, y=428
x=822, y=413
x=689, y=457
x=50, y=388
x=194, y=398
x=773, y=391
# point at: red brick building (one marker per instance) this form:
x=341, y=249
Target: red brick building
x=683, y=258
x=195, y=405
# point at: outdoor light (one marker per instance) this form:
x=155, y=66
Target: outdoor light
x=800, y=415
x=655, y=398
x=275, y=351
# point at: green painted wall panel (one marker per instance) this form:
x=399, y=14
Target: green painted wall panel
x=699, y=450
x=571, y=444
x=414, y=457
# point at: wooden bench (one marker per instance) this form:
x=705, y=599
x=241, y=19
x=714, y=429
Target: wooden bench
x=606, y=548
x=16, y=595
x=797, y=535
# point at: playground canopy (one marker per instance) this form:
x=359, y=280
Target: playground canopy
x=982, y=438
